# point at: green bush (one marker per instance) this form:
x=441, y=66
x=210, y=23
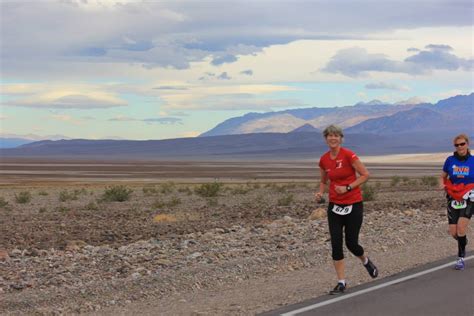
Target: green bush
x=80, y=191
x=149, y=190
x=279, y=189
x=212, y=201
x=3, y=202
x=368, y=192
x=171, y=203
x=167, y=187
x=240, y=190
x=158, y=204
x=65, y=195
x=91, y=206
x=43, y=193
x=23, y=197
x=118, y=193
x=429, y=180
x=208, y=189
x=186, y=190
x=63, y=209
x=174, y=201
x=395, y=180
x=286, y=200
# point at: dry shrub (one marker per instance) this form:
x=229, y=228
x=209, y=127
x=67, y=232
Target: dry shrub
x=65, y=195
x=23, y=197
x=118, y=193
x=368, y=192
x=208, y=189
x=429, y=180
x=317, y=214
x=160, y=218
x=3, y=202
x=286, y=200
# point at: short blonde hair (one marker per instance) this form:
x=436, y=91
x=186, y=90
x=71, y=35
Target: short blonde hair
x=333, y=129
x=461, y=136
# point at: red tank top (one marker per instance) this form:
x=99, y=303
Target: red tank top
x=341, y=172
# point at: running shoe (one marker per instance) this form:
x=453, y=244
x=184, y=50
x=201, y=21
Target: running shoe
x=459, y=264
x=372, y=269
x=339, y=289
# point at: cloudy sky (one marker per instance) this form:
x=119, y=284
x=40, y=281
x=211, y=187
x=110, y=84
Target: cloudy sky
x=167, y=69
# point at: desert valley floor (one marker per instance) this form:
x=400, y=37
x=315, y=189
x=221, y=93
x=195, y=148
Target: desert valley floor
x=198, y=238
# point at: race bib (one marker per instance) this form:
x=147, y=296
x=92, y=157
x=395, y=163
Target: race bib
x=342, y=210
x=458, y=205
x=469, y=195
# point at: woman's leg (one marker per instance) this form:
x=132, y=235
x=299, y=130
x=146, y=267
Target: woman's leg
x=353, y=223
x=453, y=230
x=335, y=230
x=352, y=228
x=461, y=229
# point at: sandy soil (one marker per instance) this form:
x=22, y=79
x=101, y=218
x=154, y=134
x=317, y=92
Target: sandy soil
x=45, y=172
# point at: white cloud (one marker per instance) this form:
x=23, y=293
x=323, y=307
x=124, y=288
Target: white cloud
x=190, y=134
x=162, y=120
x=386, y=86
x=60, y=96
x=412, y=100
x=122, y=118
x=356, y=61
x=175, y=34
x=151, y=55
x=66, y=118
x=224, y=76
x=226, y=97
x=451, y=93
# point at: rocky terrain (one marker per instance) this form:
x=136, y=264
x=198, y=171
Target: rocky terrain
x=175, y=249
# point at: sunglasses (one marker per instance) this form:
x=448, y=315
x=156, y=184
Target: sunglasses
x=460, y=144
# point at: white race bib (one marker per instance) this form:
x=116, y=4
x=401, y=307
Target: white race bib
x=458, y=205
x=342, y=210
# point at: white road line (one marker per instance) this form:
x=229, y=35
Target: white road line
x=346, y=296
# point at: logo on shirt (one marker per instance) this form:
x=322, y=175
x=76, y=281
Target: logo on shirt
x=338, y=164
x=460, y=171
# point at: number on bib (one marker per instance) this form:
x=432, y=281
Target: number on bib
x=457, y=205
x=342, y=210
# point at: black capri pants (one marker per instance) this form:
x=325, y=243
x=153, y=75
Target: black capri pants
x=351, y=224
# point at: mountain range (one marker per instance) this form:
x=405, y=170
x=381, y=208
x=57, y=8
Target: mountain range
x=370, y=129
x=374, y=117
x=14, y=140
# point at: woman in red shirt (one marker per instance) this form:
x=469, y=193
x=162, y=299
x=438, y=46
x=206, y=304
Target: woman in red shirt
x=345, y=212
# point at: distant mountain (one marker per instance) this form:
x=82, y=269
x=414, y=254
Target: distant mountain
x=13, y=142
x=288, y=120
x=34, y=137
x=455, y=113
x=306, y=128
x=373, y=117
x=268, y=146
x=421, y=128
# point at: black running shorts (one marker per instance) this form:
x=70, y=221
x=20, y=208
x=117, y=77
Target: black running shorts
x=458, y=209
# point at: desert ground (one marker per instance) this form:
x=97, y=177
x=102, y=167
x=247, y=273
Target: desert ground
x=199, y=238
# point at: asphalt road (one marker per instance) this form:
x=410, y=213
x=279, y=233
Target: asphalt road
x=434, y=289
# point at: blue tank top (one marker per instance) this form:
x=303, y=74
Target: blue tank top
x=459, y=171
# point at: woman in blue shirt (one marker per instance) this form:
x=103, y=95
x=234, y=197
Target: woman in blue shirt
x=458, y=181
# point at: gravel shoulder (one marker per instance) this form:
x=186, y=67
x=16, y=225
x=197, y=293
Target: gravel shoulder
x=171, y=251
